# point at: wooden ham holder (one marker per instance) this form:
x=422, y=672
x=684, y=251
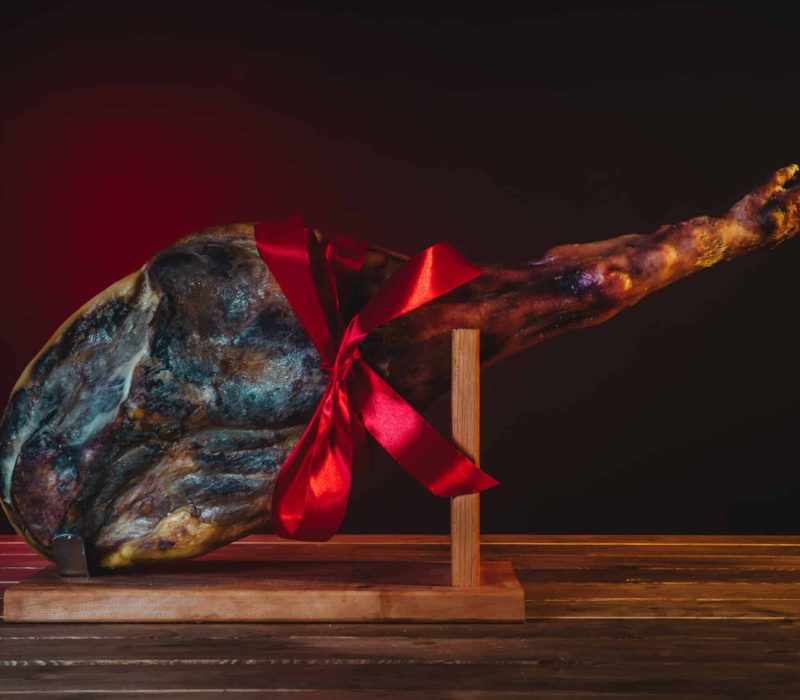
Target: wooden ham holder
x=290, y=591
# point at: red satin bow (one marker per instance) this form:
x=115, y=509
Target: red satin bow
x=313, y=485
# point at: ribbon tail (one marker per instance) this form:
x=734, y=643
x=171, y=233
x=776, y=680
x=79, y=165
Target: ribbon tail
x=410, y=439
x=313, y=485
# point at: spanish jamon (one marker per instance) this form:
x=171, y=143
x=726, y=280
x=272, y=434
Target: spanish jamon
x=154, y=422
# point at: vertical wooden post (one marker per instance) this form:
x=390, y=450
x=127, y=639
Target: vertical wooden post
x=465, y=528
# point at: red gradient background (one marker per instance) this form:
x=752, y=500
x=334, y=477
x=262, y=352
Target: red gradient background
x=127, y=126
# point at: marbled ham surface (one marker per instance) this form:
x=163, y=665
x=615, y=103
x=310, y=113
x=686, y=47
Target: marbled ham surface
x=165, y=408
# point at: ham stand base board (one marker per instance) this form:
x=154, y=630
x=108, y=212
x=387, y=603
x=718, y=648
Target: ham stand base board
x=461, y=590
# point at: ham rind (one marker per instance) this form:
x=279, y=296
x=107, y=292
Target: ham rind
x=155, y=420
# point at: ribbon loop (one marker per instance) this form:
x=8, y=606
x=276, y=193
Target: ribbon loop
x=313, y=485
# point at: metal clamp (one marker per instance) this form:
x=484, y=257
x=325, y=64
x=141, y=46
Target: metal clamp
x=69, y=553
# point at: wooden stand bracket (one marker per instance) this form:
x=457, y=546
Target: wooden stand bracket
x=320, y=591
x=465, y=402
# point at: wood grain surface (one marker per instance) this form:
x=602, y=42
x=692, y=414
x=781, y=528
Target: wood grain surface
x=608, y=617
x=465, y=408
x=270, y=591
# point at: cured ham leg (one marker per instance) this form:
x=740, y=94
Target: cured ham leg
x=154, y=421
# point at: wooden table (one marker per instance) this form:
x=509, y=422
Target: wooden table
x=608, y=617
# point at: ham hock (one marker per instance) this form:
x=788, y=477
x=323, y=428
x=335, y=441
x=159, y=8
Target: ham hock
x=154, y=422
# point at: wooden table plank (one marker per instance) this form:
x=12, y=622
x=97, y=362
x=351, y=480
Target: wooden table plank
x=516, y=540
x=596, y=631
x=656, y=678
x=653, y=616
x=454, y=648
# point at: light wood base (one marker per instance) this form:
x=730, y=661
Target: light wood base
x=275, y=591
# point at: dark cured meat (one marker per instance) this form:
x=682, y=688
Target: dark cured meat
x=155, y=420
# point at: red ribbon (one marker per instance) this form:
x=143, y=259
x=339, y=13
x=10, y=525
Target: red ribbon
x=313, y=485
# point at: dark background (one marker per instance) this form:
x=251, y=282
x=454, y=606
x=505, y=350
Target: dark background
x=504, y=130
